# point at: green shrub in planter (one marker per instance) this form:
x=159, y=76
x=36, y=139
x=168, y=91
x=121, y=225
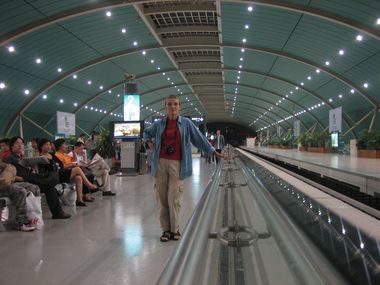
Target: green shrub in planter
x=369, y=140
x=105, y=147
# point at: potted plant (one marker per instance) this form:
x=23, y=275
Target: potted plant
x=105, y=147
x=369, y=144
x=303, y=140
x=319, y=142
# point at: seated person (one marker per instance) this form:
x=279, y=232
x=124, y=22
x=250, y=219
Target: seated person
x=34, y=143
x=17, y=192
x=70, y=163
x=65, y=175
x=98, y=167
x=45, y=182
x=5, y=150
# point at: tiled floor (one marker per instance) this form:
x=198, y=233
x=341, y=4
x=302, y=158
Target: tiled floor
x=113, y=241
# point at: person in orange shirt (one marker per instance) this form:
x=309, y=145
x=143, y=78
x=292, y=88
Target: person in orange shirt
x=70, y=163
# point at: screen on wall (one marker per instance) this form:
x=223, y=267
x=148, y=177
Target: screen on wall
x=335, y=139
x=127, y=130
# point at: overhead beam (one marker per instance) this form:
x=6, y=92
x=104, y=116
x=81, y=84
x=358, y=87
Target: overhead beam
x=91, y=8
x=183, y=7
x=186, y=29
x=99, y=60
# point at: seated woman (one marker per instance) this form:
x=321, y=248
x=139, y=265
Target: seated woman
x=71, y=168
x=65, y=175
x=98, y=167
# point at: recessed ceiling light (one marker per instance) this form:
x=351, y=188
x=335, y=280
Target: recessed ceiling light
x=118, y=95
x=340, y=96
x=365, y=85
x=101, y=111
x=237, y=81
x=135, y=43
x=89, y=82
x=239, y=71
x=61, y=101
x=327, y=62
x=101, y=87
x=378, y=21
x=296, y=87
x=59, y=69
x=158, y=68
x=75, y=76
x=11, y=49
x=2, y=85
x=172, y=83
x=96, y=109
x=75, y=104
x=352, y=91
x=123, y=30
x=291, y=92
x=359, y=38
x=105, y=112
x=330, y=100
x=250, y=8
x=152, y=61
x=92, y=108
x=240, y=66
x=242, y=50
x=108, y=14
x=241, y=59
x=317, y=71
x=44, y=96
x=244, y=40
x=168, y=78
x=246, y=27
x=163, y=73
x=38, y=60
x=26, y=92
x=341, y=52
x=238, y=77
x=302, y=83
x=110, y=91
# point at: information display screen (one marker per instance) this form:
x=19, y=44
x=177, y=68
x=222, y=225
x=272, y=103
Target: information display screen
x=127, y=130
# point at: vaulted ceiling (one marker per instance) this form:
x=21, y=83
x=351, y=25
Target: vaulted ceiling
x=256, y=63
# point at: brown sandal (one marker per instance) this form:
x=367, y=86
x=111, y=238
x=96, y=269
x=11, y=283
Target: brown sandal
x=175, y=236
x=165, y=236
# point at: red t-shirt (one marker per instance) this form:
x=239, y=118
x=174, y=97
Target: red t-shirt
x=171, y=137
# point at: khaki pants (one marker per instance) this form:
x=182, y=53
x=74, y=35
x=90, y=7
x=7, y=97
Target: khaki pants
x=169, y=193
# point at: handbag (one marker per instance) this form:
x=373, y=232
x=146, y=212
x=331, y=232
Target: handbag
x=34, y=210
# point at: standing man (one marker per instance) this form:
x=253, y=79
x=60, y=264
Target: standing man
x=169, y=140
x=219, y=144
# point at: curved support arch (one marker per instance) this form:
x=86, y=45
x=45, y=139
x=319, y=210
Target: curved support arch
x=259, y=99
x=86, y=9
x=345, y=116
x=278, y=95
x=156, y=101
x=249, y=113
x=131, y=51
x=333, y=74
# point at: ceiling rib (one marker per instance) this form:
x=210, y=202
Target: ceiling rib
x=182, y=48
x=90, y=8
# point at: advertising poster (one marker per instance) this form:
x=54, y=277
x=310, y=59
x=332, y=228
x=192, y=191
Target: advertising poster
x=65, y=123
x=131, y=107
x=297, y=128
x=335, y=120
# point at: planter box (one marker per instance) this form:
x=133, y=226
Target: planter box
x=285, y=147
x=369, y=153
x=274, y=146
x=303, y=148
x=318, y=149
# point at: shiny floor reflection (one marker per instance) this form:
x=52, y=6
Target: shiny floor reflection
x=112, y=241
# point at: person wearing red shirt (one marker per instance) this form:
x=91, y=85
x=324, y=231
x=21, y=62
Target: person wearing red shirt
x=5, y=150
